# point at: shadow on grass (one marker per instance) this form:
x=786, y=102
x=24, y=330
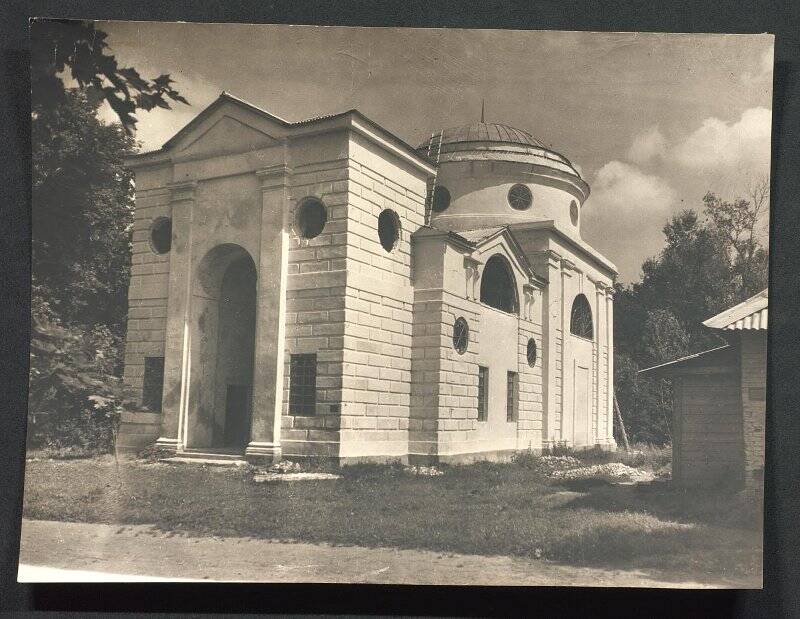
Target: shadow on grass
x=488, y=509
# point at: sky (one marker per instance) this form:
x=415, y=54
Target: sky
x=651, y=121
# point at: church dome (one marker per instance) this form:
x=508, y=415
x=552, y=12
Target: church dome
x=484, y=141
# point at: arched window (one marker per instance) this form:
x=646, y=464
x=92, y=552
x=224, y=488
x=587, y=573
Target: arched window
x=580, y=321
x=498, y=288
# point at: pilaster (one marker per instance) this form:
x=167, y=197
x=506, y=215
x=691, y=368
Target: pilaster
x=268, y=378
x=177, y=345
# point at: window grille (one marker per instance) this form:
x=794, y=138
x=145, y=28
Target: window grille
x=511, y=396
x=483, y=392
x=153, y=384
x=303, y=385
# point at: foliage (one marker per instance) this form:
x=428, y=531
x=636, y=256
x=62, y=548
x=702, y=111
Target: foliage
x=82, y=216
x=61, y=45
x=707, y=265
x=75, y=401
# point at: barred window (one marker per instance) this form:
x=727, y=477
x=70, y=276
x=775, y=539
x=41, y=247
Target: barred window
x=511, y=396
x=153, y=384
x=483, y=392
x=303, y=385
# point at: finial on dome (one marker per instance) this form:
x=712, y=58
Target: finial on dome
x=483, y=104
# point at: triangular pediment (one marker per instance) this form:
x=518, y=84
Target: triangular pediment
x=226, y=135
x=227, y=126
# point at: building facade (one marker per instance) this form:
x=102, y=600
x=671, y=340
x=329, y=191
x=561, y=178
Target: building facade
x=719, y=402
x=321, y=288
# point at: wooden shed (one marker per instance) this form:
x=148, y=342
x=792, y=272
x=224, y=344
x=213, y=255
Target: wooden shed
x=719, y=402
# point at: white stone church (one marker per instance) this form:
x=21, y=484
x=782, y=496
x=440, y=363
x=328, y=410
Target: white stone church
x=321, y=288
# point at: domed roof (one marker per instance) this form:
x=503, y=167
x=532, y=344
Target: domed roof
x=482, y=141
x=482, y=132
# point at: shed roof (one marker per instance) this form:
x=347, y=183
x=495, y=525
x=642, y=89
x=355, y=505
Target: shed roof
x=749, y=314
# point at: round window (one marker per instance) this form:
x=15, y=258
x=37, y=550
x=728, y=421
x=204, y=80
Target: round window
x=388, y=229
x=161, y=235
x=460, y=335
x=573, y=212
x=310, y=218
x=520, y=197
x=531, y=352
x=441, y=199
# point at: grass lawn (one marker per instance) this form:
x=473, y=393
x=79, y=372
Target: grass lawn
x=493, y=509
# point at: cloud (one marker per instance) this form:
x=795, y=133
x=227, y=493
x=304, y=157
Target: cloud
x=625, y=214
x=722, y=146
x=764, y=70
x=647, y=146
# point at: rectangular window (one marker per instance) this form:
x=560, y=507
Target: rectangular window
x=303, y=385
x=153, y=384
x=511, y=396
x=483, y=392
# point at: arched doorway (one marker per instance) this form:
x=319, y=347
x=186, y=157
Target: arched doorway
x=225, y=319
x=235, y=345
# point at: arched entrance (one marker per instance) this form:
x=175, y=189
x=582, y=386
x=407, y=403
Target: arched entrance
x=225, y=319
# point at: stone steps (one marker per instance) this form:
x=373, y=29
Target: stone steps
x=209, y=457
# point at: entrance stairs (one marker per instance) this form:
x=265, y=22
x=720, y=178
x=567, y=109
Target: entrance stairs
x=223, y=456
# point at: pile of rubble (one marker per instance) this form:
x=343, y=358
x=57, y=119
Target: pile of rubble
x=423, y=471
x=550, y=464
x=289, y=471
x=611, y=472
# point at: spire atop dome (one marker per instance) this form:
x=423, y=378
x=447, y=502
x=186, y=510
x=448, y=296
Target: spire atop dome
x=483, y=103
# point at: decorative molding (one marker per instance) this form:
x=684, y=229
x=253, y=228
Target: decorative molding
x=472, y=272
x=529, y=291
x=261, y=450
x=568, y=265
x=274, y=176
x=179, y=192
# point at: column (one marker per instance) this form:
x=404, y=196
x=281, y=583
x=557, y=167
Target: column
x=176, y=349
x=567, y=373
x=268, y=373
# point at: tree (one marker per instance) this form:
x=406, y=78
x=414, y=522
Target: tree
x=705, y=266
x=82, y=199
x=58, y=45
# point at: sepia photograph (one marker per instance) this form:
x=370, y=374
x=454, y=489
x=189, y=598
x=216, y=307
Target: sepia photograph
x=397, y=305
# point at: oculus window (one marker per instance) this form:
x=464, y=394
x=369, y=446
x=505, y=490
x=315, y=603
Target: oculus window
x=310, y=218
x=161, y=235
x=580, y=319
x=388, y=229
x=498, y=287
x=530, y=353
x=460, y=335
x=573, y=212
x=520, y=197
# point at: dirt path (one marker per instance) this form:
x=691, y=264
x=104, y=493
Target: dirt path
x=73, y=552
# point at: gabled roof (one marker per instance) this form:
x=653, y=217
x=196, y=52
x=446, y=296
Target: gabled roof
x=723, y=355
x=353, y=114
x=749, y=314
x=471, y=240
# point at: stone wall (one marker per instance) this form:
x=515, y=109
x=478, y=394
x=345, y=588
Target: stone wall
x=376, y=378
x=147, y=295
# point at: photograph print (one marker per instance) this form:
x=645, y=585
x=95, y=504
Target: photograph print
x=398, y=306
